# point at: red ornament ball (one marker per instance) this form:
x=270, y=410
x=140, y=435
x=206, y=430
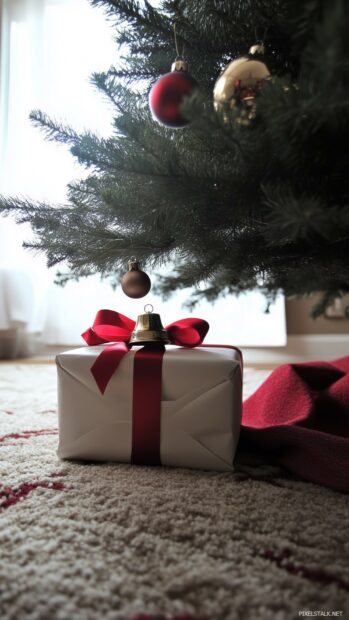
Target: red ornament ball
x=166, y=97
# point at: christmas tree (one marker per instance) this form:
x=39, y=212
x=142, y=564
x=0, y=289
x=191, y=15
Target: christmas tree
x=242, y=196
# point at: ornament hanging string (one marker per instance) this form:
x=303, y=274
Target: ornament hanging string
x=257, y=31
x=176, y=43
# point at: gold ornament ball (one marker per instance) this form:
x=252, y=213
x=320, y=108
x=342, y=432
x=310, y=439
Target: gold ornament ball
x=240, y=82
x=135, y=283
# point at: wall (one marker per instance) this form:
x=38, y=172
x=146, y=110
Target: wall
x=307, y=339
x=299, y=321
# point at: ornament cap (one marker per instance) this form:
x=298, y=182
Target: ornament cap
x=179, y=64
x=133, y=265
x=257, y=48
x=149, y=328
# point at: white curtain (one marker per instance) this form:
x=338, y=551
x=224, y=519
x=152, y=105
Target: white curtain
x=49, y=48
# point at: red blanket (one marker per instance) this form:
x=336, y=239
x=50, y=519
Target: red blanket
x=299, y=418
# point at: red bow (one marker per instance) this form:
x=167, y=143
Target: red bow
x=115, y=328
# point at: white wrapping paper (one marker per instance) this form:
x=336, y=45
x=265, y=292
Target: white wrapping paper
x=200, y=407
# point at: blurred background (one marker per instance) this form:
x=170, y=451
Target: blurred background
x=48, y=50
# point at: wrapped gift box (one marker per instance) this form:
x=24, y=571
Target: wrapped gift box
x=201, y=404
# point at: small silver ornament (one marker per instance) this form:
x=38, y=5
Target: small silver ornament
x=240, y=83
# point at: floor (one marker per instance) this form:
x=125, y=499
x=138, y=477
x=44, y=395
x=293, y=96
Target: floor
x=89, y=541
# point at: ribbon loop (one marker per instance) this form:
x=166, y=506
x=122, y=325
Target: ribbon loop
x=109, y=326
x=187, y=332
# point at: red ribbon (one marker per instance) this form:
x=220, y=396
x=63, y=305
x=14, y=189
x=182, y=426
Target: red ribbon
x=146, y=414
x=115, y=329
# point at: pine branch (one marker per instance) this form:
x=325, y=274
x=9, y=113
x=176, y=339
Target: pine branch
x=53, y=129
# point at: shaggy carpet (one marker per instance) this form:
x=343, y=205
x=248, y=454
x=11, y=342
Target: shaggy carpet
x=120, y=542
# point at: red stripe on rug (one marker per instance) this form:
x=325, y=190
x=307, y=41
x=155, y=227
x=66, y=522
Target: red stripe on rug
x=28, y=434
x=313, y=574
x=11, y=496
